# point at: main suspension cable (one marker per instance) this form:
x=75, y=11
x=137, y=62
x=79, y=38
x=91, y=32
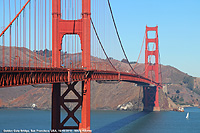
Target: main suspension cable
x=119, y=37
x=14, y=18
x=101, y=43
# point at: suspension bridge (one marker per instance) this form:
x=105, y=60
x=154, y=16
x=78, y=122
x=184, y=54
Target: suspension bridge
x=66, y=41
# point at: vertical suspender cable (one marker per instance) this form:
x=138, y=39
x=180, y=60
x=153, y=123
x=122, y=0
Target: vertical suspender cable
x=24, y=42
x=35, y=34
x=10, y=31
x=94, y=41
x=45, y=33
x=75, y=35
x=93, y=44
x=98, y=17
x=20, y=36
x=17, y=41
x=24, y=39
x=49, y=33
x=3, y=34
x=104, y=25
x=41, y=33
x=14, y=63
x=38, y=30
x=68, y=36
x=62, y=17
x=105, y=16
x=101, y=20
x=95, y=19
x=29, y=35
x=17, y=57
x=24, y=19
x=99, y=32
x=72, y=37
x=65, y=36
x=78, y=38
x=97, y=28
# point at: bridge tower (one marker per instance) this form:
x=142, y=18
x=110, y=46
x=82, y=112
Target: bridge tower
x=60, y=28
x=151, y=94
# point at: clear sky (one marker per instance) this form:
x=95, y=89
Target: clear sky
x=178, y=28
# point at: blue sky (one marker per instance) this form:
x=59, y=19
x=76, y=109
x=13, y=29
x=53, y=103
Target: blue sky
x=178, y=28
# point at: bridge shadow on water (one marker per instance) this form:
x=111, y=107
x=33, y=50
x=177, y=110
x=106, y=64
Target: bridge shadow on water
x=114, y=126
x=149, y=93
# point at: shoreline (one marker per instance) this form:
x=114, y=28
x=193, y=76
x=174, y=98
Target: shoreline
x=28, y=108
x=49, y=109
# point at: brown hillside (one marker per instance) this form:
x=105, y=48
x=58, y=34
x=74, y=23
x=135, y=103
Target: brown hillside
x=104, y=95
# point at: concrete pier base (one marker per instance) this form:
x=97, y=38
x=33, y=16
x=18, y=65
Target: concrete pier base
x=156, y=108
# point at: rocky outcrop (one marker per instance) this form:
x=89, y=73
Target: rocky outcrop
x=125, y=106
x=172, y=105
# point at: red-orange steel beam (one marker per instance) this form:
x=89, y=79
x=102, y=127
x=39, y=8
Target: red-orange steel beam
x=154, y=52
x=56, y=52
x=85, y=47
x=80, y=27
x=152, y=67
x=17, y=76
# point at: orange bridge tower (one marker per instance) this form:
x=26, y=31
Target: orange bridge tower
x=151, y=93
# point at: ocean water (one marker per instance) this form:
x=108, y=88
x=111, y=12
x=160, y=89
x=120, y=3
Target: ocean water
x=27, y=120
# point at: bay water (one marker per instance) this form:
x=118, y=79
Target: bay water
x=27, y=120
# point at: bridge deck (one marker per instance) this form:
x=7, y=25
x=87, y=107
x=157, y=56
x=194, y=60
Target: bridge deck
x=18, y=76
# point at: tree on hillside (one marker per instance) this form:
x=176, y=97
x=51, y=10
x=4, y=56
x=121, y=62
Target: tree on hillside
x=177, y=91
x=124, y=60
x=110, y=58
x=189, y=80
x=181, y=99
x=133, y=62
